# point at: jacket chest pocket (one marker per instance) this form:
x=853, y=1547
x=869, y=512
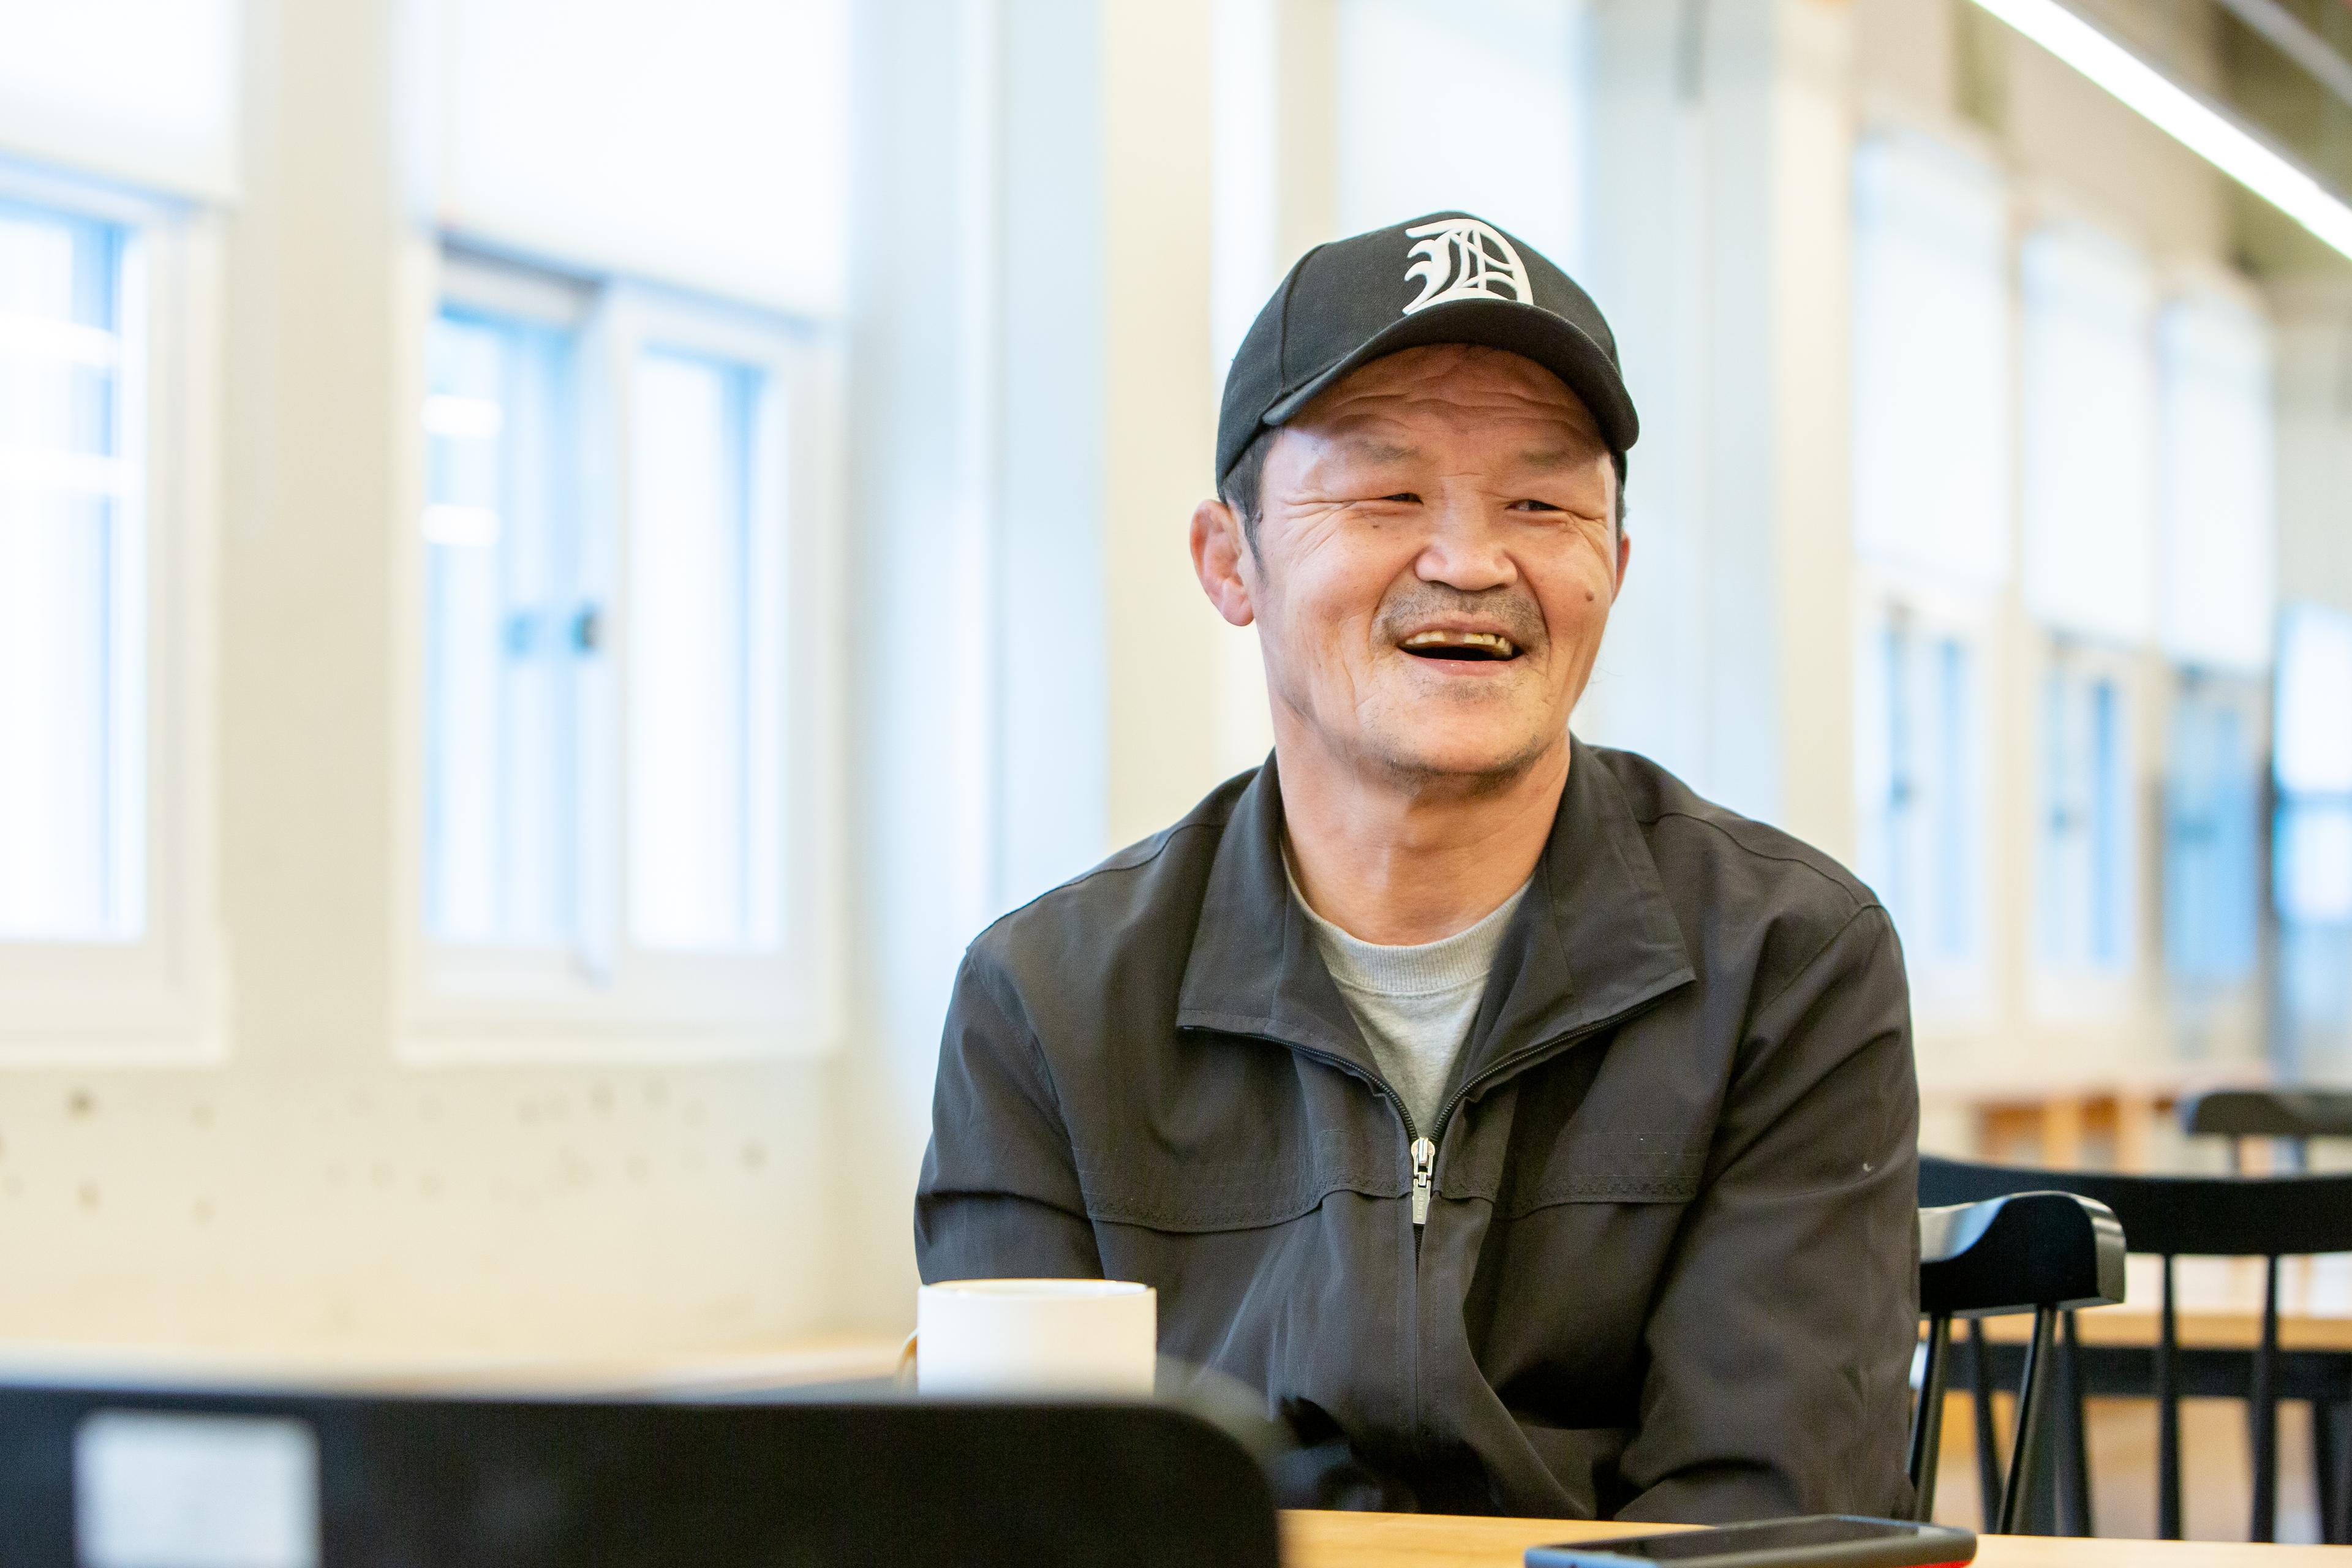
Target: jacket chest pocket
x=1606, y=1167
x=1166, y=1186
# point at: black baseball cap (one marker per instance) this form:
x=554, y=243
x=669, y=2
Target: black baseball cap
x=1448, y=277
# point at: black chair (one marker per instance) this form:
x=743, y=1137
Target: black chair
x=2296, y=1116
x=2268, y=1218
x=2029, y=1252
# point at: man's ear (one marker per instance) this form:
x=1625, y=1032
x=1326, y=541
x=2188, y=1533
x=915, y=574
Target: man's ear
x=1217, y=549
x=1624, y=559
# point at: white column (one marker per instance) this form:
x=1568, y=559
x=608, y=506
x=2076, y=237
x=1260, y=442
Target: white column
x=1161, y=637
x=306, y=879
x=927, y=541
x=1275, y=179
x=1720, y=234
x=1032, y=428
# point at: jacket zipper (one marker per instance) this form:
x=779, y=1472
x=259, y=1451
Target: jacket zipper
x=1424, y=1159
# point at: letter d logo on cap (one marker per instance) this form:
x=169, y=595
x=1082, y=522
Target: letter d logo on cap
x=1463, y=259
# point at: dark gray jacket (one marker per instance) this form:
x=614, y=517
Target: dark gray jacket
x=1670, y=1269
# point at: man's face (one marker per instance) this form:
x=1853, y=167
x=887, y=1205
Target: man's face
x=1435, y=560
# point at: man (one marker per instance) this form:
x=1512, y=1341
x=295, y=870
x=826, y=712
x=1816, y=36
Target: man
x=1535, y=1132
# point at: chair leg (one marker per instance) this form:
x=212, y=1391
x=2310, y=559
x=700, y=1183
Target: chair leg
x=2323, y=1467
x=1927, y=1418
x=2340, y=1417
x=2167, y=1415
x=2076, y=1457
x=1989, y=1486
x=2262, y=1411
x=2032, y=1420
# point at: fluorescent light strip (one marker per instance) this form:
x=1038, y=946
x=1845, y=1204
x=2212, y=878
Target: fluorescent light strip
x=2183, y=116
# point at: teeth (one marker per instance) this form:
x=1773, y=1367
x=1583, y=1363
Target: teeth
x=1501, y=645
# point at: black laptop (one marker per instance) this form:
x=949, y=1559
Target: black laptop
x=95, y=1477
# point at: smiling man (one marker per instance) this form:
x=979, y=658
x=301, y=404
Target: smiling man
x=1538, y=1136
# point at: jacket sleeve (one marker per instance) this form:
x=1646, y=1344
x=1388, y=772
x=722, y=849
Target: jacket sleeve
x=999, y=1196
x=1782, y=1341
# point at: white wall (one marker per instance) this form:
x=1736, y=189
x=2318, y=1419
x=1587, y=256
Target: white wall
x=309, y=1196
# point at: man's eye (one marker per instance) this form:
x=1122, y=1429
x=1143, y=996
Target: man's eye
x=1405, y=498
x=1533, y=506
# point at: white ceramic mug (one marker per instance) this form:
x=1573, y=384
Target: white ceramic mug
x=1057, y=1337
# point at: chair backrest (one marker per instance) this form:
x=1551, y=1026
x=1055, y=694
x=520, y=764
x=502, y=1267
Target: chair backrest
x=2018, y=1252
x=371, y=1482
x=2220, y=1216
x=2267, y=1218
x=2038, y=1252
x=2292, y=1116
x=2269, y=1113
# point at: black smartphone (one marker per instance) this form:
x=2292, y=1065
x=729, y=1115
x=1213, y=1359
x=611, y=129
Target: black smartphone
x=1819, y=1540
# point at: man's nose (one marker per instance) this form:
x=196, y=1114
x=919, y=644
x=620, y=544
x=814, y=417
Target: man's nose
x=1466, y=550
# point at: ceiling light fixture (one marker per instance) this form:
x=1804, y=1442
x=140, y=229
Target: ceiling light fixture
x=2182, y=115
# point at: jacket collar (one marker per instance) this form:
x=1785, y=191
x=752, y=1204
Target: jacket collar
x=1593, y=937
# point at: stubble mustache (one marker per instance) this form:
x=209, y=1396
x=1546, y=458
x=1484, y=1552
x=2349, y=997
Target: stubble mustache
x=1510, y=608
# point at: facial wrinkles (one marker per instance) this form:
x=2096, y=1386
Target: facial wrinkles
x=1413, y=424
x=1416, y=401
x=1494, y=454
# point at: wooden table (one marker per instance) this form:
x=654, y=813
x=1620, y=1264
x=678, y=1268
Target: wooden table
x=1440, y=1540
x=815, y=1359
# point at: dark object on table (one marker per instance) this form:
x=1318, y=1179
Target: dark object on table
x=348, y=1481
x=2267, y=1218
x=1818, y=1541
x=2026, y=1252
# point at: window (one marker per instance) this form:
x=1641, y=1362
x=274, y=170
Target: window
x=1919, y=753
x=2218, y=483
x=2089, y=451
x=72, y=582
x=2086, y=883
x=623, y=610
x=706, y=783
x=2220, y=526
x=2313, y=759
x=508, y=633
x=1932, y=398
x=1933, y=407
x=106, y=399
x=2212, y=832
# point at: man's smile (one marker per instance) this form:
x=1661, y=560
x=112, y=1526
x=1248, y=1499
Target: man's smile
x=1458, y=646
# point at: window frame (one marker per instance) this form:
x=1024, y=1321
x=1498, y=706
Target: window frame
x=158, y=998
x=1947, y=991
x=2067, y=989
x=602, y=998
x=453, y=972
x=2248, y=698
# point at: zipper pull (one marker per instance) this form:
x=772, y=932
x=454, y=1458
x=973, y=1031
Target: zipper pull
x=1424, y=1157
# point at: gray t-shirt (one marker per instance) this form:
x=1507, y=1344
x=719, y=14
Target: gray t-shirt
x=1416, y=1004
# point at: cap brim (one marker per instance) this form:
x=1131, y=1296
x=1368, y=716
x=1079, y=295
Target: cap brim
x=1552, y=341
